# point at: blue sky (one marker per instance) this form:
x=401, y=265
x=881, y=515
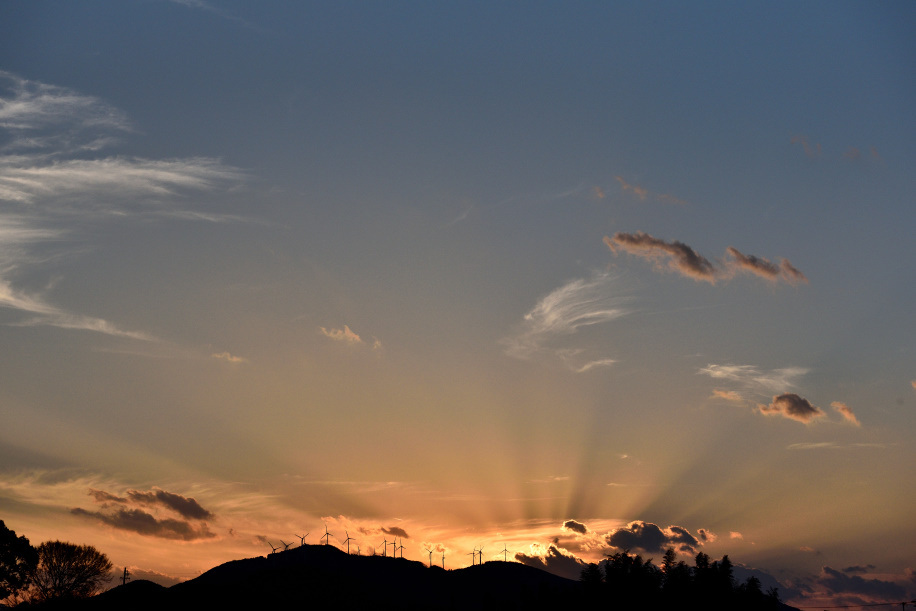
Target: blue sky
x=469, y=270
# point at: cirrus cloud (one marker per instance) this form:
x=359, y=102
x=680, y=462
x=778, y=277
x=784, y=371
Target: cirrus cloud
x=562, y=313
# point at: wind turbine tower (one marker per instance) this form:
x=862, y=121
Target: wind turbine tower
x=327, y=536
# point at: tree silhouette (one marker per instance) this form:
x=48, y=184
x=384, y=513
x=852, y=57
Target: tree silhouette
x=629, y=582
x=18, y=560
x=67, y=570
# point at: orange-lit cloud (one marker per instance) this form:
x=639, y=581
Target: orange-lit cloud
x=735, y=535
x=728, y=395
x=229, y=358
x=341, y=335
x=640, y=192
x=811, y=150
x=846, y=412
x=790, y=405
x=643, y=193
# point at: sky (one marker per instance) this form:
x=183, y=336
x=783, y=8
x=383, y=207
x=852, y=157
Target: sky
x=548, y=279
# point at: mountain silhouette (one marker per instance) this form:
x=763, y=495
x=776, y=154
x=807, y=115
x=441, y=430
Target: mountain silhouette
x=325, y=577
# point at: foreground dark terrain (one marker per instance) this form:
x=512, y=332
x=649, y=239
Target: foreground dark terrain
x=324, y=577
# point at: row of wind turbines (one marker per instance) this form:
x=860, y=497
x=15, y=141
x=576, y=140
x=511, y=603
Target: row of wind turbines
x=476, y=555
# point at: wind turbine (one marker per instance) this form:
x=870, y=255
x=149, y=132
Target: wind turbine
x=272, y=548
x=505, y=553
x=357, y=551
x=347, y=541
x=473, y=556
x=481, y=554
x=285, y=545
x=384, y=547
x=327, y=536
x=443, y=559
x=399, y=547
x=302, y=539
x=430, y=556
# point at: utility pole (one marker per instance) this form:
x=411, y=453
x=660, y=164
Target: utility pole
x=126, y=577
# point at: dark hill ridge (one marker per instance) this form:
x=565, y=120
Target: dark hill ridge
x=322, y=576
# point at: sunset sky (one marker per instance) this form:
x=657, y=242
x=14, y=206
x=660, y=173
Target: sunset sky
x=551, y=278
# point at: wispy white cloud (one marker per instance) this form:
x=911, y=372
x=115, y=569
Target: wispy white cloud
x=564, y=312
x=26, y=180
x=754, y=378
x=55, y=120
x=208, y=7
x=52, y=178
x=832, y=445
x=593, y=364
x=48, y=315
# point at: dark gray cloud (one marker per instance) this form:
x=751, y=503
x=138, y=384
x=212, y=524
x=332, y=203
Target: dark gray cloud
x=790, y=405
x=141, y=522
x=765, y=268
x=859, y=568
x=650, y=538
x=574, y=526
x=396, y=531
x=555, y=561
x=101, y=496
x=679, y=257
x=839, y=583
x=118, y=513
x=187, y=507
